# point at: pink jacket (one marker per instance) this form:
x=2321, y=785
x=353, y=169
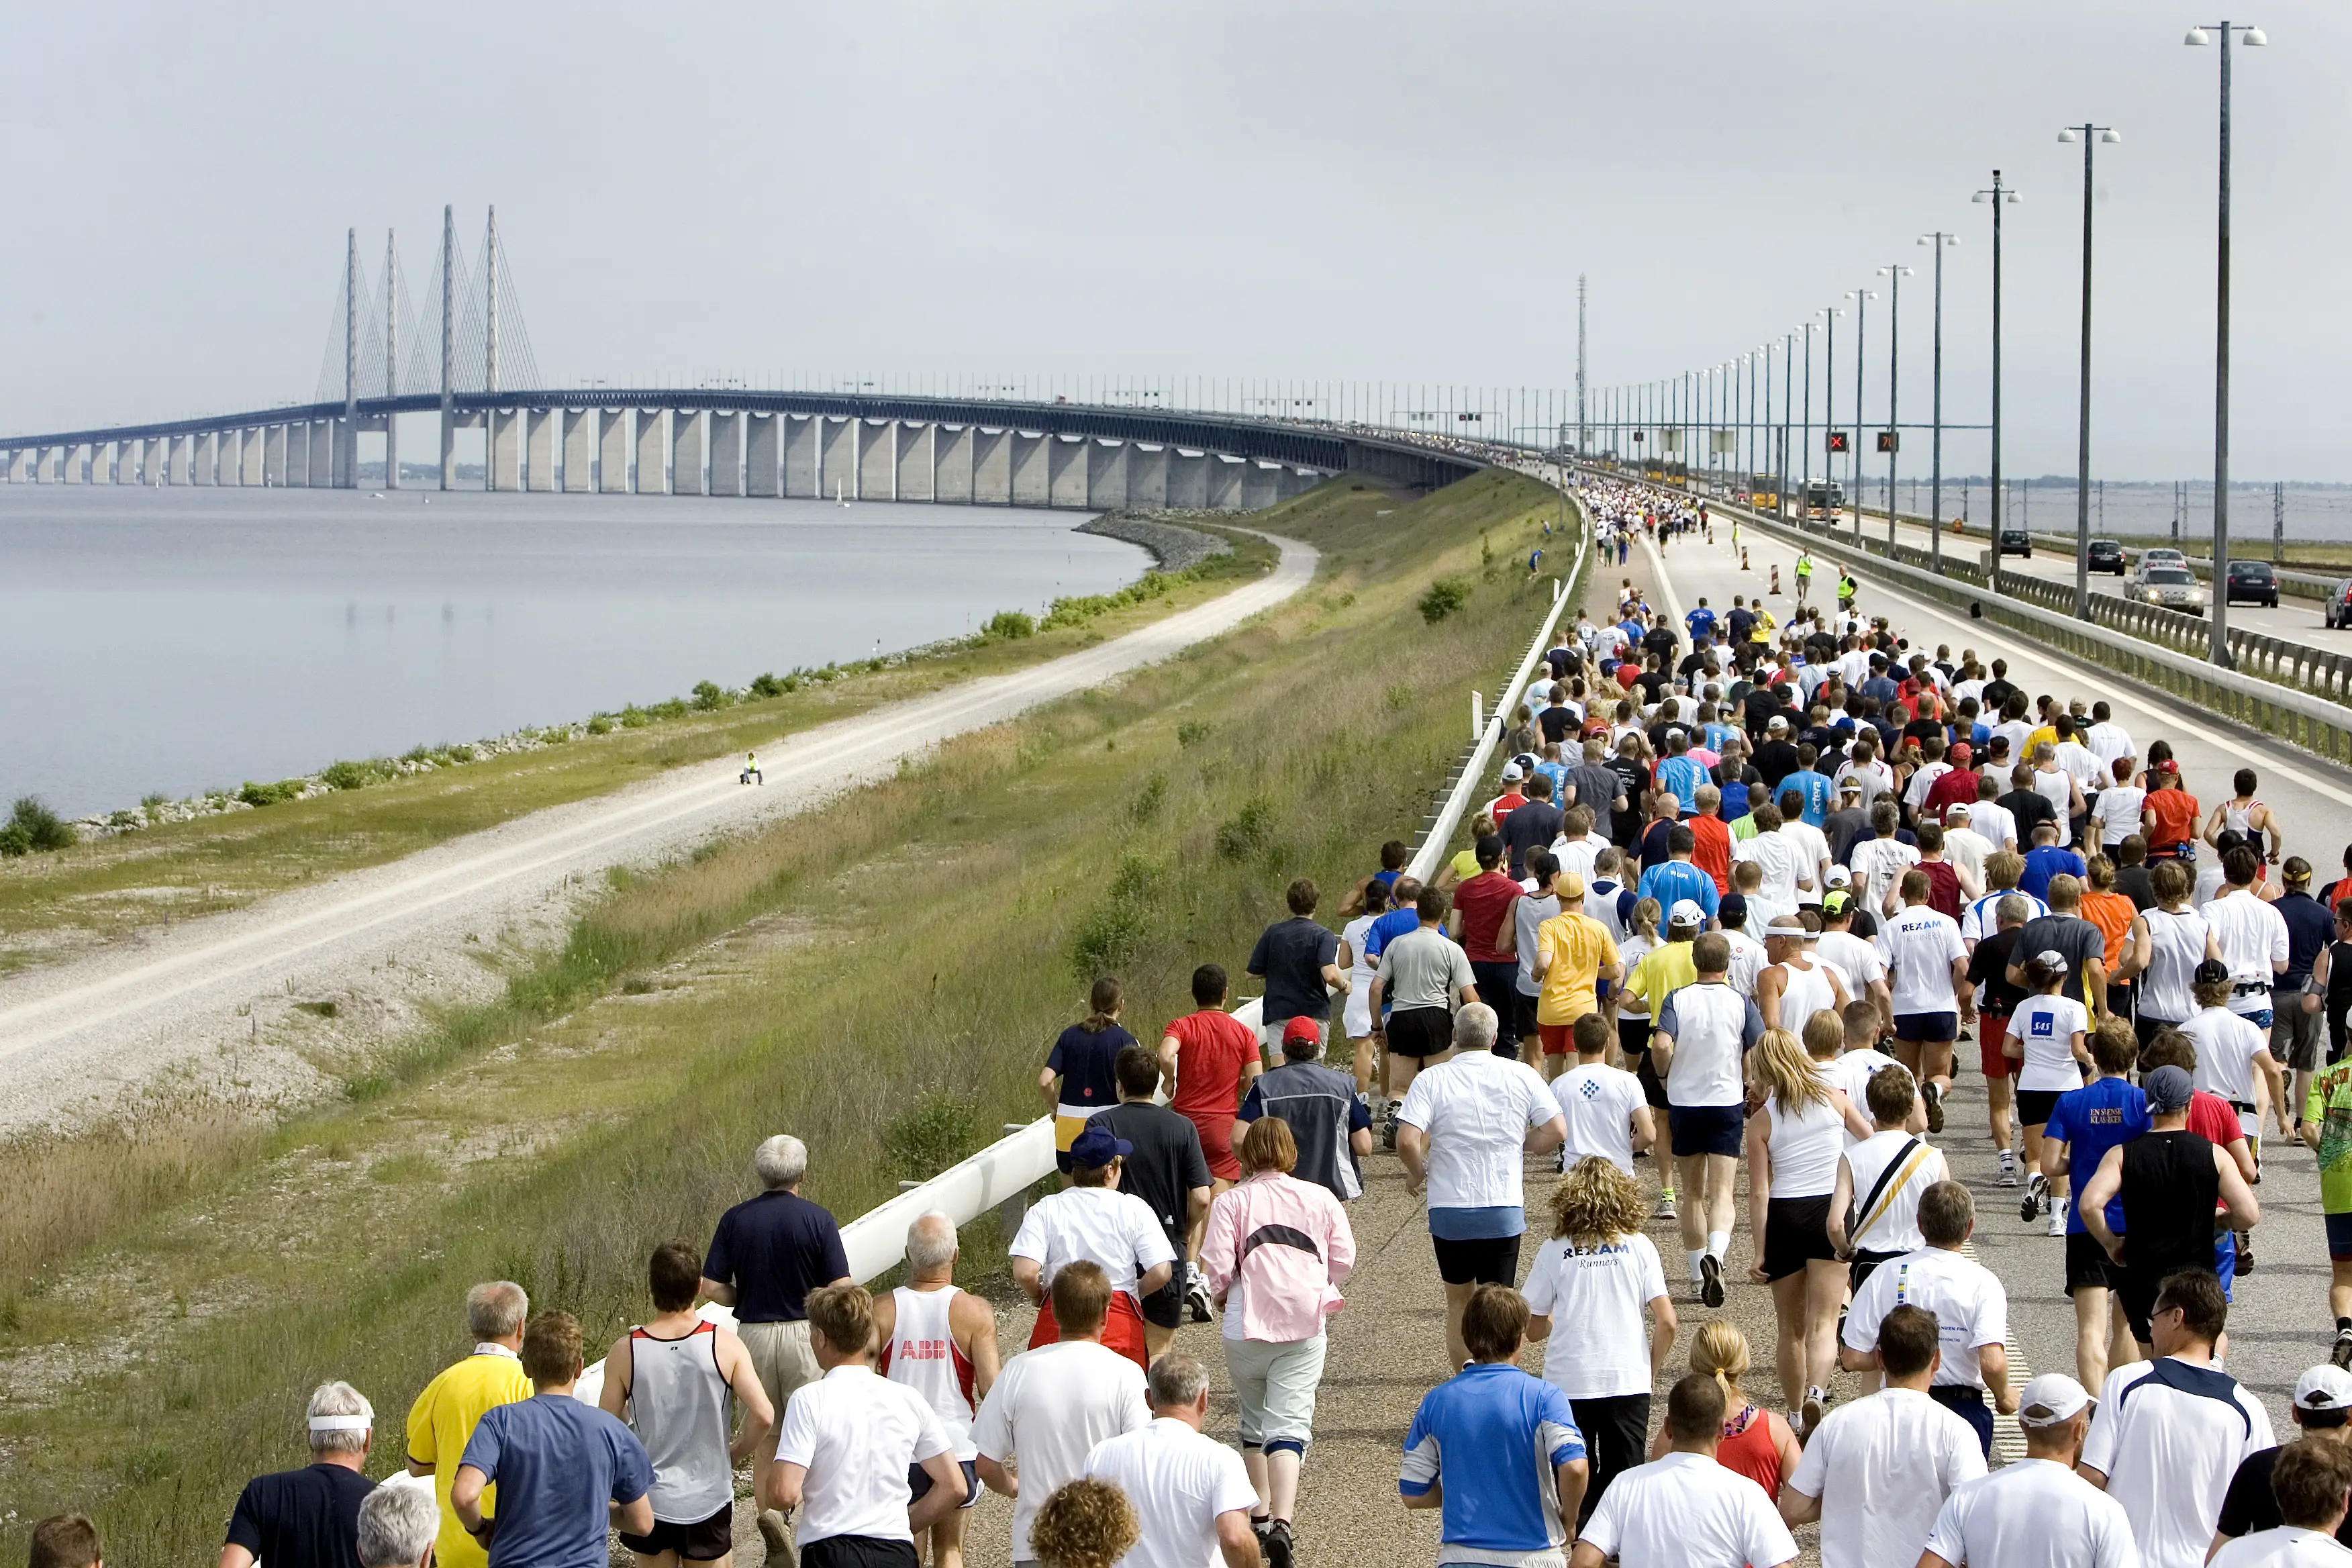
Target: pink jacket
x=1288, y=1245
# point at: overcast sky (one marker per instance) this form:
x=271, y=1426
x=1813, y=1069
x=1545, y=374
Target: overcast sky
x=1356, y=191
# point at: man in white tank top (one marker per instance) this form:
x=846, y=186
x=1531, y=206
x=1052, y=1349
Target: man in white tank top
x=1794, y=985
x=674, y=1376
x=940, y=1341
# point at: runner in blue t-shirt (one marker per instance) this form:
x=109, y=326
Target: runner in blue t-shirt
x=1496, y=1449
x=1701, y=623
x=2084, y=1125
x=1669, y=881
x=1816, y=788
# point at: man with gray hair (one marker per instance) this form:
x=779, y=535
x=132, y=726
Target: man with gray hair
x=397, y=1523
x=1463, y=1133
x=1192, y=1494
x=441, y=1421
x=767, y=1254
x=309, y=1518
x=939, y=1342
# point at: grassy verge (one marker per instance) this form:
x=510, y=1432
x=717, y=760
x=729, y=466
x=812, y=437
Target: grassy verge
x=882, y=978
x=59, y=903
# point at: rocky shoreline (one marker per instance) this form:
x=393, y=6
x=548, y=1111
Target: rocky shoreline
x=1176, y=548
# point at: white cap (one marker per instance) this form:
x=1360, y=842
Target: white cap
x=1685, y=914
x=2050, y=1399
x=1511, y=774
x=2323, y=1388
x=1838, y=876
x=1777, y=722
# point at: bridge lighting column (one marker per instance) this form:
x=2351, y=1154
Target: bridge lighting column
x=1895, y=273
x=1862, y=298
x=1998, y=196
x=2090, y=136
x=2253, y=39
x=1942, y=242
x=1788, y=393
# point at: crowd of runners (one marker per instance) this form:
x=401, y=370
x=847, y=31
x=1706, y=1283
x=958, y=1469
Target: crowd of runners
x=1753, y=888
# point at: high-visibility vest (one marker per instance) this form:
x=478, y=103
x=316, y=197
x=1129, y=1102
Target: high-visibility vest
x=1804, y=565
x=1846, y=585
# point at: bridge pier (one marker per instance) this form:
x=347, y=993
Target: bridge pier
x=70, y=471
x=344, y=442
x=1226, y=476
x=689, y=429
x=613, y=452
x=991, y=467
x=321, y=474
x=727, y=454
x=953, y=447
x=204, y=460
x=232, y=457
x=1033, y=457
x=877, y=478
x=803, y=436
x=653, y=451
x=1106, y=470
x=249, y=463
x=538, y=448
x=763, y=455
x=836, y=459
x=579, y=450
x=504, y=450
x=1068, y=461
x=273, y=455
x=1261, y=485
x=912, y=448
x=1187, y=479
x=1146, y=475
x=102, y=462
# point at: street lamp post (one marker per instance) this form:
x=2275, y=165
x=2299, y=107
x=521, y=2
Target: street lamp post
x=1829, y=395
x=1862, y=298
x=2090, y=136
x=2253, y=39
x=1942, y=242
x=1998, y=196
x=1894, y=272
x=1788, y=394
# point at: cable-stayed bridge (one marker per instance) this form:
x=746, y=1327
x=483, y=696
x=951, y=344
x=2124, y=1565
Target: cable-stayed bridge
x=465, y=354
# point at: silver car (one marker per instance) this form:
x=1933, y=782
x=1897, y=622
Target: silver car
x=2172, y=587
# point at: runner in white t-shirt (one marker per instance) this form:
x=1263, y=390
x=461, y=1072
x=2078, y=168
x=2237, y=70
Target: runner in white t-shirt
x=2047, y=1037
x=1928, y=965
x=1605, y=1109
x=1684, y=1510
x=2035, y=1512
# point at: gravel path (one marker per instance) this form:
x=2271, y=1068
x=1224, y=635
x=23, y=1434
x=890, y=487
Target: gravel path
x=210, y=1005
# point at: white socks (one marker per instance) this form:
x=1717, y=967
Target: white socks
x=1719, y=1242
x=1696, y=1272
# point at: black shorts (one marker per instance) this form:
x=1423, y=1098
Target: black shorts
x=1498, y=987
x=2135, y=1285
x=1523, y=1013
x=2034, y=1105
x=1705, y=1130
x=1164, y=1307
x=1796, y=1231
x=1420, y=1032
x=1927, y=1029
x=2147, y=1028
x=2088, y=1266
x=1862, y=1266
x=1483, y=1260
x=706, y=1541
x=918, y=1483
x=859, y=1551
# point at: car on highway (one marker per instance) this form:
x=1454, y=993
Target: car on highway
x=2253, y=583
x=2337, y=611
x=2162, y=556
x=2016, y=541
x=2171, y=587
x=2104, y=555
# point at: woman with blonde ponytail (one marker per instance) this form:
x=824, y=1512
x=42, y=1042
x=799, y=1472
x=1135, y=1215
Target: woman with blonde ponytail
x=1794, y=1139
x=1756, y=1442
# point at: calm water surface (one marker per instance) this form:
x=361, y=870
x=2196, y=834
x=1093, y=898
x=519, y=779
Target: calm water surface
x=186, y=640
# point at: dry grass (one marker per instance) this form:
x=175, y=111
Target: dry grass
x=553, y=1137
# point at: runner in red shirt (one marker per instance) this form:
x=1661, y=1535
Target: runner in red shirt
x=1208, y=1058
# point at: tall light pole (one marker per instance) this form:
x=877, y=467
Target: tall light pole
x=1583, y=439
x=2090, y=136
x=1805, y=430
x=1942, y=242
x=1862, y=298
x=1829, y=391
x=1998, y=196
x=1894, y=272
x=1788, y=395
x=2252, y=38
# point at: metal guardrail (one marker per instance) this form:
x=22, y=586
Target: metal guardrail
x=2285, y=691
x=1002, y=1175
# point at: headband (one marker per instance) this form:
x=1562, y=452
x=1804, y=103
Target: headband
x=341, y=1423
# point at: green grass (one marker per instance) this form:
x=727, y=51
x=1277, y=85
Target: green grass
x=881, y=978
x=64, y=901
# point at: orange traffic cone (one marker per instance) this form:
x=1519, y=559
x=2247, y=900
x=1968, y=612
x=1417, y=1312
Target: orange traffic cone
x=1743, y=558
x=1776, y=580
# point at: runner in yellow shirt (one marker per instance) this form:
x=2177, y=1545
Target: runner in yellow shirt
x=1574, y=952
x=441, y=1420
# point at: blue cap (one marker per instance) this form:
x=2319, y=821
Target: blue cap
x=1095, y=1147
x=2167, y=1089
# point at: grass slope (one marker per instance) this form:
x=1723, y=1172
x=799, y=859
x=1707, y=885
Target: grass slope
x=881, y=978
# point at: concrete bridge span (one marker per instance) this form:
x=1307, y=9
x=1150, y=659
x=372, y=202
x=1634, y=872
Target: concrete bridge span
x=732, y=443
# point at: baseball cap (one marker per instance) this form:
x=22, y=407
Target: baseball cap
x=1095, y=1147
x=2323, y=1388
x=1302, y=1027
x=1838, y=876
x=2211, y=972
x=2057, y=960
x=1836, y=903
x=2052, y=1398
x=2167, y=766
x=1960, y=753
x=1955, y=811
x=1512, y=773
x=1571, y=887
x=1732, y=911
x=1685, y=914
x=2167, y=1089
x=1778, y=723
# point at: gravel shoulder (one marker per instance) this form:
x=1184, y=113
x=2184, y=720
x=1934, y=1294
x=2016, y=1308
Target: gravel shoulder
x=272, y=1004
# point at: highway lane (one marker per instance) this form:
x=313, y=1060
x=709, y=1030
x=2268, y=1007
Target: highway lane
x=2296, y=620
x=2280, y=1323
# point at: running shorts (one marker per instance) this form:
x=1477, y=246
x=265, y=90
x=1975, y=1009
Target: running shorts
x=2088, y=1266
x=918, y=1483
x=1480, y=1260
x=2339, y=1237
x=1796, y=1231
x=1990, y=1027
x=1930, y=1028
x=1559, y=1039
x=706, y=1540
x=2034, y=1105
x=1705, y=1130
x=1420, y=1032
